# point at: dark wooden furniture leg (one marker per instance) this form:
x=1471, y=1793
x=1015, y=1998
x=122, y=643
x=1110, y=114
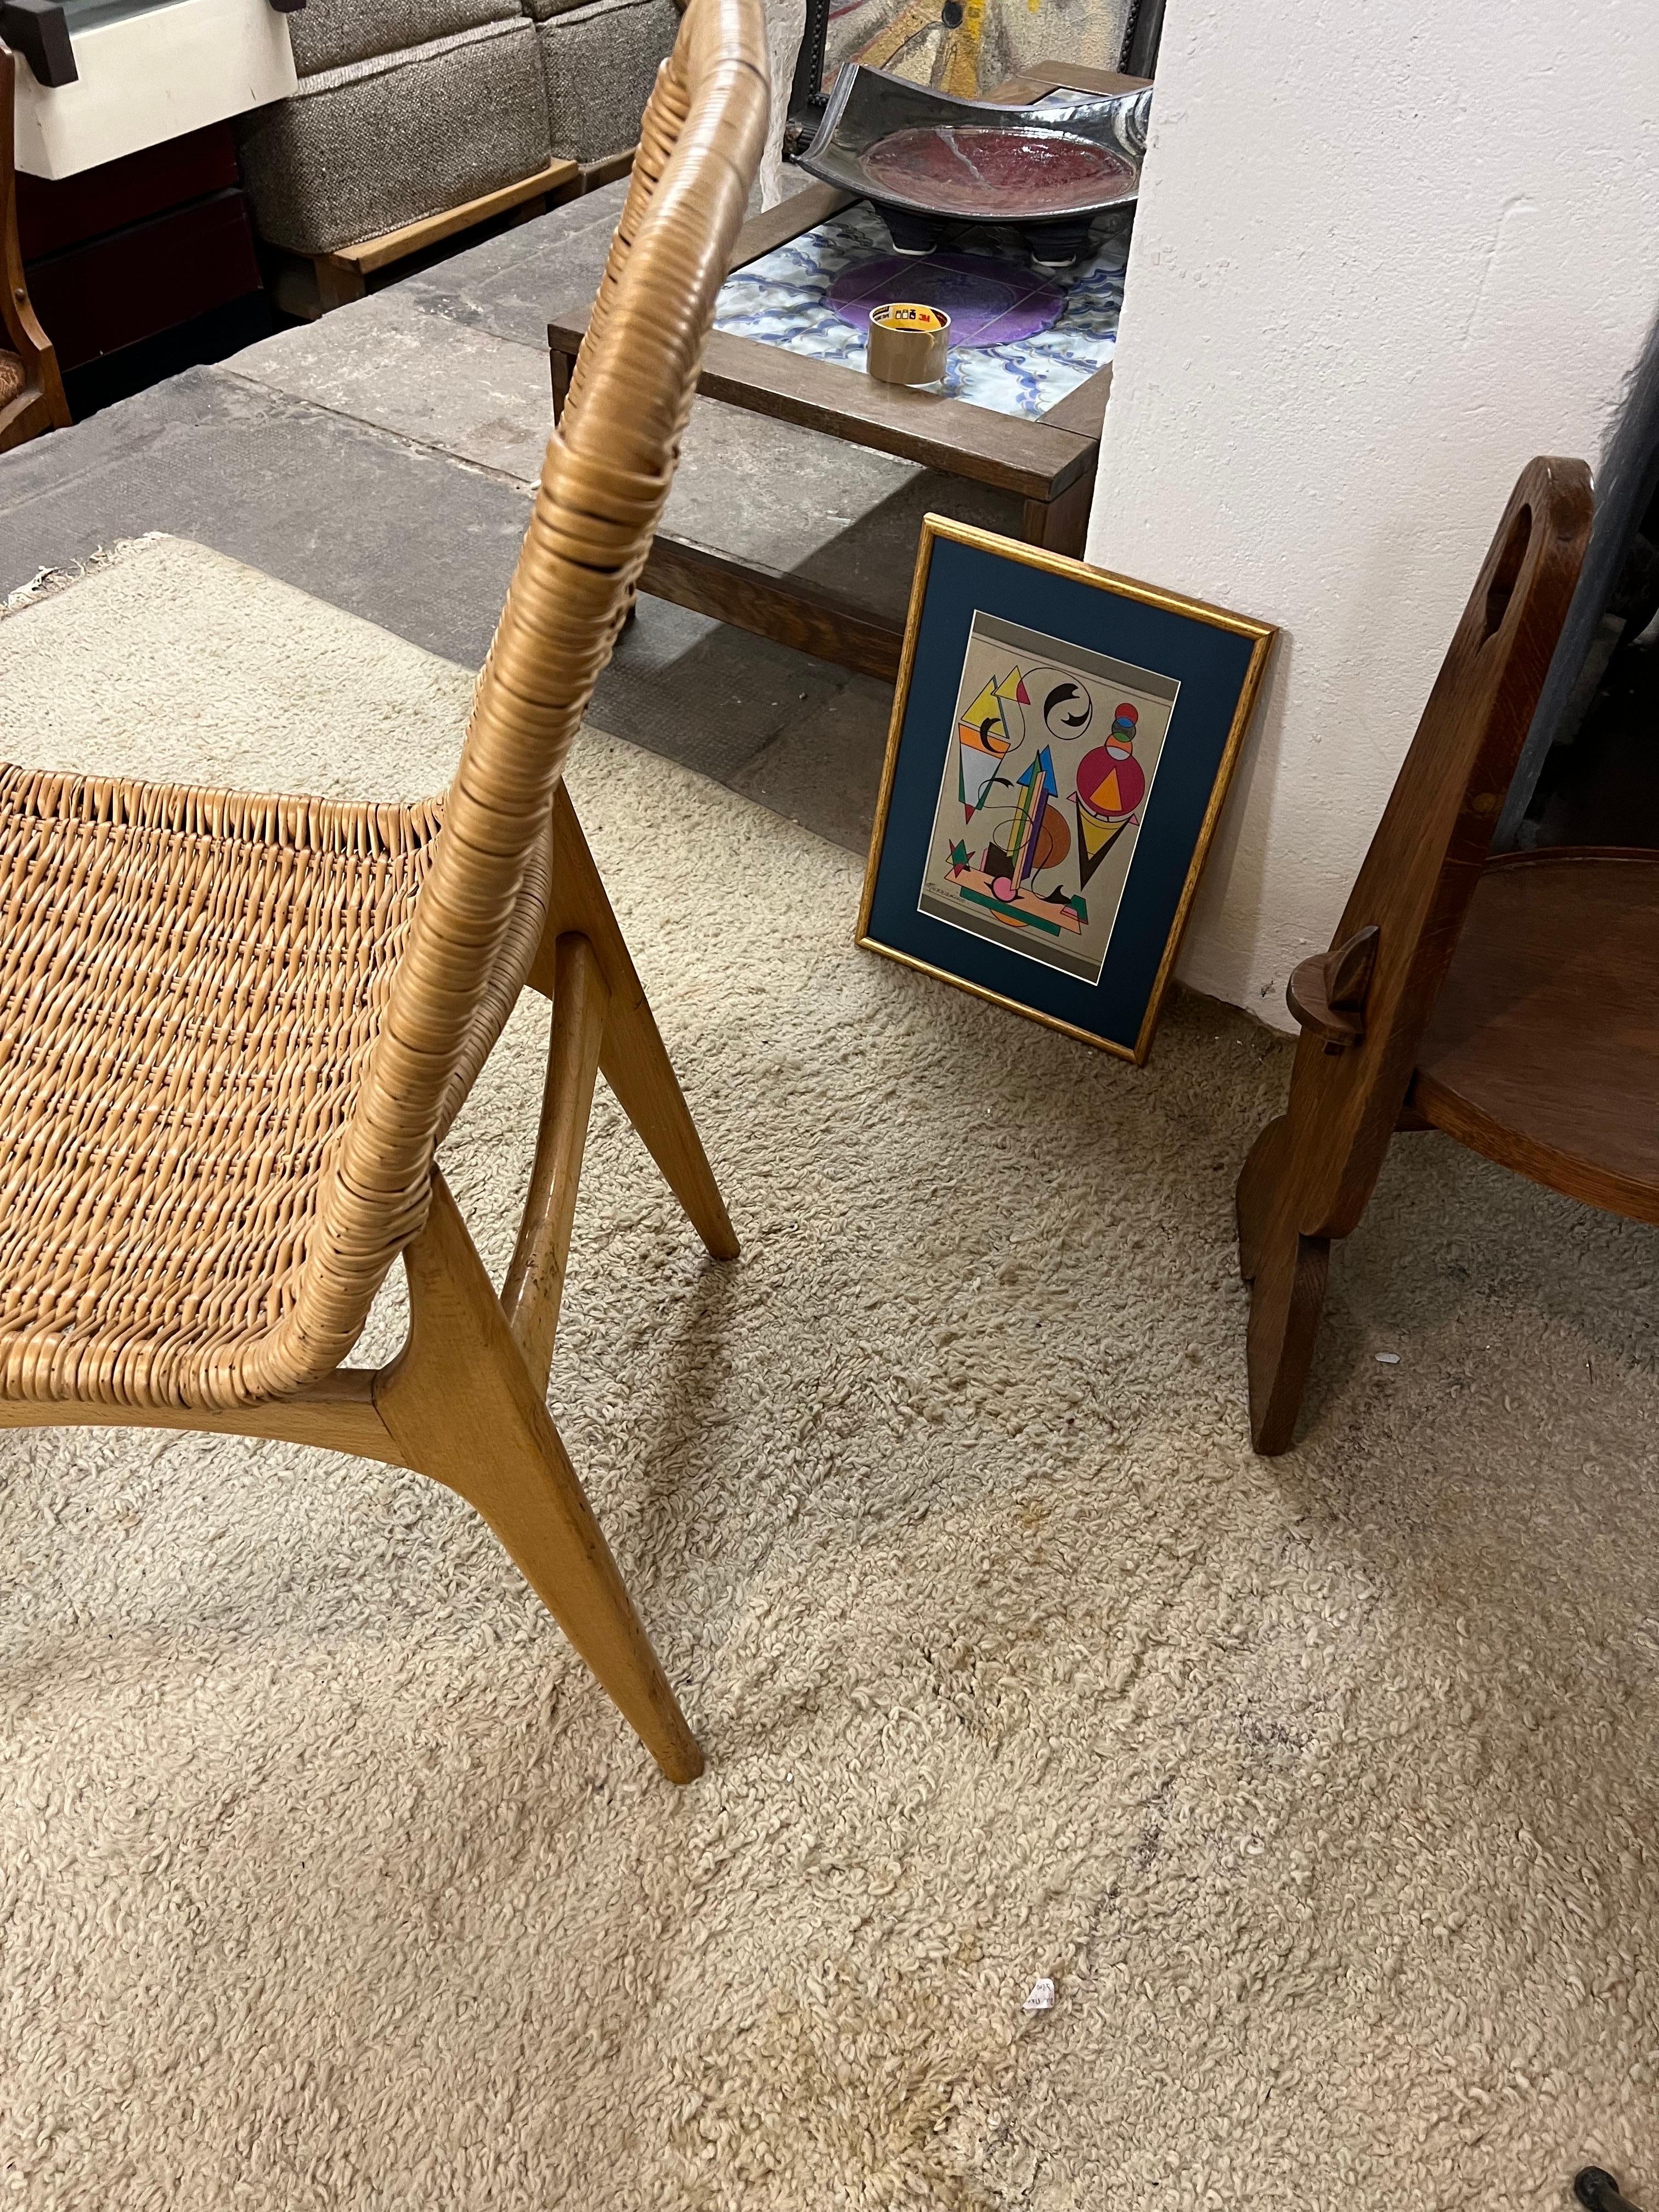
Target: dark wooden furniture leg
x=562, y=367
x=1061, y=524
x=1287, y=1273
x=1364, y=1005
x=1598, y=2191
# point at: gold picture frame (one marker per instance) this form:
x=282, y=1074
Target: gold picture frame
x=1211, y=693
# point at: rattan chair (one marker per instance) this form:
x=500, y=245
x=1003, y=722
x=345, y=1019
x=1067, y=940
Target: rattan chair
x=233, y=1029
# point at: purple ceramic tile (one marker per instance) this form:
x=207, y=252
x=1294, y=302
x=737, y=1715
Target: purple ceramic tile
x=990, y=303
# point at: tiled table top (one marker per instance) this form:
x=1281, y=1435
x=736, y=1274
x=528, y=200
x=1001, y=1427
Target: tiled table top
x=783, y=300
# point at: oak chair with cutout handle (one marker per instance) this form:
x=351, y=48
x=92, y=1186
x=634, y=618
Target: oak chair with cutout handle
x=1507, y=1001
x=233, y=1030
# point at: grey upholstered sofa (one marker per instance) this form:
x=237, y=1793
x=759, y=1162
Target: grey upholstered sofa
x=406, y=108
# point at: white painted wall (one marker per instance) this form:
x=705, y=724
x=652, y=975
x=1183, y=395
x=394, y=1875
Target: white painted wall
x=1385, y=252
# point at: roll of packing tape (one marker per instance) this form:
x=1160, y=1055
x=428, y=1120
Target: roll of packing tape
x=909, y=343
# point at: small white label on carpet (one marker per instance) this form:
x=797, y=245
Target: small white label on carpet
x=1041, y=1998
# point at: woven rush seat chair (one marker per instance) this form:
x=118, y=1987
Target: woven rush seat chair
x=234, y=1029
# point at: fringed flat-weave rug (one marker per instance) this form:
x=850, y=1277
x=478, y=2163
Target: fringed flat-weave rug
x=1321, y=1791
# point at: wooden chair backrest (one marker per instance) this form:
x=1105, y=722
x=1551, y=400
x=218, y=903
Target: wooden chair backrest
x=608, y=466
x=39, y=396
x=1419, y=874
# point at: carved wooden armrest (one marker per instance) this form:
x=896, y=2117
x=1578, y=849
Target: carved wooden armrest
x=1326, y=994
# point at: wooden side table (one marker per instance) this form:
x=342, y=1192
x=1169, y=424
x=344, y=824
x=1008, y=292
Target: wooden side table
x=1049, y=465
x=1507, y=1001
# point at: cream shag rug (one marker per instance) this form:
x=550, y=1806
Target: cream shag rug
x=1323, y=1790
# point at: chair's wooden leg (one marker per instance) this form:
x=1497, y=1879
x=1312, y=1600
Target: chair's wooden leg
x=463, y=1409
x=632, y=1058
x=636, y=1066
x=531, y=1295
x=1258, y=1190
x=1287, y=1296
x=1599, y=2191
x=1287, y=1273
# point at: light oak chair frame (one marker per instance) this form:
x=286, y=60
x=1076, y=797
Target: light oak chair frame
x=509, y=896
x=37, y=403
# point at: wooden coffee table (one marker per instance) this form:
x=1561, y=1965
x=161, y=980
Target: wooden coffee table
x=1049, y=463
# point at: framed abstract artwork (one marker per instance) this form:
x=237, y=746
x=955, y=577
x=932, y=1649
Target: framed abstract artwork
x=968, y=49
x=1062, y=742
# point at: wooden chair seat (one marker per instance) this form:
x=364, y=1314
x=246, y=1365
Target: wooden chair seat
x=191, y=982
x=1542, y=1051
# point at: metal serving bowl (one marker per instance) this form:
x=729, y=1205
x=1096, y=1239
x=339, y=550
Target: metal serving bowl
x=931, y=163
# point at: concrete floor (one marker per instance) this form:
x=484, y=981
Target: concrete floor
x=382, y=459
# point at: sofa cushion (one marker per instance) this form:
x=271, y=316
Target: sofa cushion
x=363, y=149
x=333, y=33
x=601, y=61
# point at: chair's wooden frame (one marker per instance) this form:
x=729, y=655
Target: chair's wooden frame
x=513, y=898
x=465, y=1401
x=40, y=405
x=1365, y=1005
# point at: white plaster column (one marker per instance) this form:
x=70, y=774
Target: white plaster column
x=1383, y=255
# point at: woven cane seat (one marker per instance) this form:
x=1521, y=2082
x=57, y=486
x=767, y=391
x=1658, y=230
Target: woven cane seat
x=190, y=982
x=233, y=1030
x=13, y=375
